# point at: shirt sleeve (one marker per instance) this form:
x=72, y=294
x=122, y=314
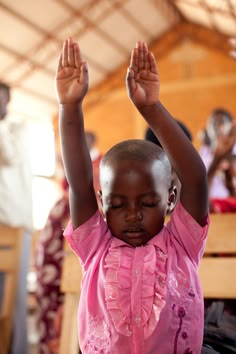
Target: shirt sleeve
x=188, y=233
x=89, y=239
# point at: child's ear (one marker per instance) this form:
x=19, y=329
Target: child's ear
x=172, y=199
x=100, y=196
x=99, y=193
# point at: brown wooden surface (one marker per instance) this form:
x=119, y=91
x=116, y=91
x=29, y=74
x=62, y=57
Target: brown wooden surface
x=10, y=251
x=217, y=277
x=222, y=233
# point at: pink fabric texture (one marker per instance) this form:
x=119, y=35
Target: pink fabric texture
x=140, y=300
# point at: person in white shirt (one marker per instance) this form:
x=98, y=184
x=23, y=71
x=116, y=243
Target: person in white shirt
x=16, y=203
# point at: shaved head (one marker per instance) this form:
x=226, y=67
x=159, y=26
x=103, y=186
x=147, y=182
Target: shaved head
x=135, y=150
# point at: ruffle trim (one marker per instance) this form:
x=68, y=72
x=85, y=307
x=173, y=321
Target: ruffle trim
x=119, y=293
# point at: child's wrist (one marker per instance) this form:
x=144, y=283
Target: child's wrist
x=153, y=108
x=70, y=104
x=70, y=107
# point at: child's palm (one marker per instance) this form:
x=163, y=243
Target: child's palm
x=71, y=86
x=146, y=90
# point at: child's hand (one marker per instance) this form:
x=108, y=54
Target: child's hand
x=142, y=78
x=71, y=75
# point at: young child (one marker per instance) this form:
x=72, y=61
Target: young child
x=140, y=289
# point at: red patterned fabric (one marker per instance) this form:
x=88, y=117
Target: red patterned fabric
x=226, y=205
x=48, y=268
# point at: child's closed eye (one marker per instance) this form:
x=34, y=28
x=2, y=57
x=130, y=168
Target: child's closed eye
x=115, y=206
x=149, y=204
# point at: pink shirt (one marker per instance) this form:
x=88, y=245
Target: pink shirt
x=140, y=300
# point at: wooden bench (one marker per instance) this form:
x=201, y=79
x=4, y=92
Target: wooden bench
x=10, y=253
x=217, y=275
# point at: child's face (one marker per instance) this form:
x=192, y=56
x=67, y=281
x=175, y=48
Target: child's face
x=135, y=198
x=218, y=124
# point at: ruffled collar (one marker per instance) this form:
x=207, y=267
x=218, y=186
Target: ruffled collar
x=135, y=296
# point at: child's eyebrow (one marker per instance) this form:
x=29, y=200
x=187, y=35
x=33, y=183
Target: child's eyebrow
x=143, y=195
x=112, y=195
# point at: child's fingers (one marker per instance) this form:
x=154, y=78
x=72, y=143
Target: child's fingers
x=130, y=82
x=71, y=57
x=84, y=72
x=134, y=60
x=77, y=55
x=65, y=53
x=59, y=65
x=146, y=59
x=140, y=56
x=152, y=63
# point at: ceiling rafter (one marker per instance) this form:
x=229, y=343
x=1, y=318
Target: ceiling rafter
x=210, y=13
x=131, y=19
x=92, y=25
x=46, y=36
x=231, y=10
x=204, y=5
x=166, y=6
x=160, y=48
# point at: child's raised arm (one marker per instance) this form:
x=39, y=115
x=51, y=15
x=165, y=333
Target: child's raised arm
x=71, y=88
x=143, y=89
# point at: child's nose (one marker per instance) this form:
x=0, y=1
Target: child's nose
x=134, y=214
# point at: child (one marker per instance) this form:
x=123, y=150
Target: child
x=140, y=289
x=221, y=134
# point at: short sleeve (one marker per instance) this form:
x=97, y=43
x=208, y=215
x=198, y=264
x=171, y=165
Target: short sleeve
x=89, y=239
x=188, y=233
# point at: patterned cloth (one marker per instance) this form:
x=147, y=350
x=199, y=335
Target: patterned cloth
x=48, y=266
x=140, y=300
x=49, y=261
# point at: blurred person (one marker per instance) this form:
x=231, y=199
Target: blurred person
x=218, y=142
x=16, y=203
x=228, y=204
x=49, y=261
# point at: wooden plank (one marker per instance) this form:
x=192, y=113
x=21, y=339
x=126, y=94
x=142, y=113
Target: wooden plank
x=222, y=233
x=7, y=262
x=69, y=334
x=71, y=273
x=8, y=235
x=10, y=252
x=217, y=275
